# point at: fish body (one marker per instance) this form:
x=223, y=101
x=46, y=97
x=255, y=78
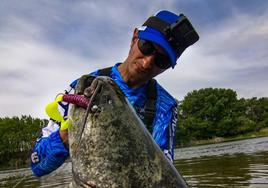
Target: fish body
x=111, y=147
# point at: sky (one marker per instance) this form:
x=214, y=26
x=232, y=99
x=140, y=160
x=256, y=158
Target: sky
x=46, y=44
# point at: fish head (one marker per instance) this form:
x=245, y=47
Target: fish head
x=103, y=93
x=105, y=99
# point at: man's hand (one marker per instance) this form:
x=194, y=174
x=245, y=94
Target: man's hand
x=53, y=112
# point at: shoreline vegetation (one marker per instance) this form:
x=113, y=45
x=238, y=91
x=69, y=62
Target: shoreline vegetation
x=262, y=133
x=214, y=115
x=206, y=116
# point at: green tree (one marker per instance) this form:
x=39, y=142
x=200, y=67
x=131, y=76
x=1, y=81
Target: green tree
x=216, y=112
x=17, y=138
x=257, y=111
x=209, y=112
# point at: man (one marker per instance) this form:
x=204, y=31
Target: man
x=154, y=48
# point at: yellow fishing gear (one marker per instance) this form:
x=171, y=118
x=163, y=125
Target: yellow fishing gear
x=52, y=111
x=64, y=125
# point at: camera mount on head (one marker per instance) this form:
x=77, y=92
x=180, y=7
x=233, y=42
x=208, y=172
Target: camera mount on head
x=179, y=35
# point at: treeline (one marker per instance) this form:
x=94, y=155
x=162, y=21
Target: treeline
x=18, y=135
x=213, y=112
x=203, y=114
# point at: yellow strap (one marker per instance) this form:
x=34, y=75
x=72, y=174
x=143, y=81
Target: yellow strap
x=52, y=109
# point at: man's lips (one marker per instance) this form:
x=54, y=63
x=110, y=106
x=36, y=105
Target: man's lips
x=140, y=69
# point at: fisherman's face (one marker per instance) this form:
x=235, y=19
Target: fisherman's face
x=142, y=67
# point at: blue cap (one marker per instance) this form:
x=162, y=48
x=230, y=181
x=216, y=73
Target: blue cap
x=153, y=35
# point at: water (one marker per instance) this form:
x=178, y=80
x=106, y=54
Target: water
x=231, y=164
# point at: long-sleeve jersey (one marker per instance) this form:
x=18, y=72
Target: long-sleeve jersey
x=49, y=152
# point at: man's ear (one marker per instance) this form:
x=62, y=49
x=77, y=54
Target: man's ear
x=134, y=37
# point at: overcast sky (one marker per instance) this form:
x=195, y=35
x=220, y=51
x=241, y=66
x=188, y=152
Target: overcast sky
x=46, y=44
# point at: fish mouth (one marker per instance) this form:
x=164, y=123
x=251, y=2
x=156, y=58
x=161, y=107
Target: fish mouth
x=91, y=93
x=98, y=96
x=97, y=93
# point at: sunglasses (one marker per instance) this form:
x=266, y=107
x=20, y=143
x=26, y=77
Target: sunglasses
x=147, y=48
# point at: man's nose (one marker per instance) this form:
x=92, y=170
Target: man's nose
x=148, y=61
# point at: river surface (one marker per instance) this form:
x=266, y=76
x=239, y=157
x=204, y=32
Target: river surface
x=230, y=164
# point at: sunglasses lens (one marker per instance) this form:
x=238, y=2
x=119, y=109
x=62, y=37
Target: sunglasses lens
x=147, y=48
x=162, y=62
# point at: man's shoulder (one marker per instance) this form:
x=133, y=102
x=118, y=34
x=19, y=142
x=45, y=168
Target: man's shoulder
x=164, y=97
x=74, y=83
x=96, y=73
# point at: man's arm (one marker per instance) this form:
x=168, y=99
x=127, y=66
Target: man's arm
x=48, y=154
x=51, y=149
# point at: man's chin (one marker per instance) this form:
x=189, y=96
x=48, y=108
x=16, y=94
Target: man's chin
x=140, y=70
